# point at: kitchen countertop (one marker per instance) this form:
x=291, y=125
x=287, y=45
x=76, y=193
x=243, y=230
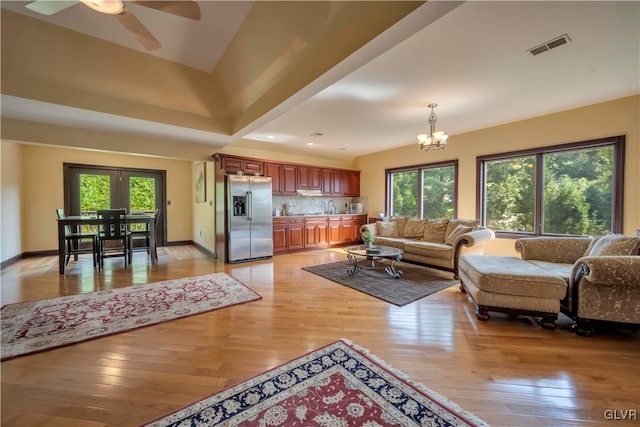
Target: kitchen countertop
x=314, y=214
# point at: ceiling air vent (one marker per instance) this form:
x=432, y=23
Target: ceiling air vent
x=558, y=41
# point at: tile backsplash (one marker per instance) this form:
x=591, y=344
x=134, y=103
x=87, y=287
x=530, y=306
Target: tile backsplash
x=292, y=205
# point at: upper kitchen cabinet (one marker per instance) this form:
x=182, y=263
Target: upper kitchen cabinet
x=336, y=182
x=283, y=177
x=244, y=165
x=309, y=178
x=288, y=178
x=352, y=183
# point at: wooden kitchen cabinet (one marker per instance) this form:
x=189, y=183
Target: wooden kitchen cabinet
x=280, y=235
x=346, y=229
x=289, y=179
x=352, y=184
x=244, y=165
x=273, y=170
x=309, y=178
x=296, y=233
x=316, y=233
x=335, y=225
x=283, y=178
x=337, y=182
x=332, y=182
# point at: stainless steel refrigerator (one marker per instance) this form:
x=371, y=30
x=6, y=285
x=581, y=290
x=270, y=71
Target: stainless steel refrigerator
x=249, y=222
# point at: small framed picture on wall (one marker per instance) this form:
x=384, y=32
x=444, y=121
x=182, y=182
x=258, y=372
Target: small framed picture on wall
x=201, y=182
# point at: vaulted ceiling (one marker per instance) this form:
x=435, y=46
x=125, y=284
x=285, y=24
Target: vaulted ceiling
x=272, y=74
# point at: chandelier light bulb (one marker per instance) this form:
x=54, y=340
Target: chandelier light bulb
x=434, y=140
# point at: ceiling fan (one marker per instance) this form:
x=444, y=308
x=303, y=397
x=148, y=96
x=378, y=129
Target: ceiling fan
x=186, y=9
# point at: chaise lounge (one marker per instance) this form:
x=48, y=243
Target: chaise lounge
x=588, y=279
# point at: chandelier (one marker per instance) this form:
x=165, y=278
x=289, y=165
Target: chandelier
x=434, y=140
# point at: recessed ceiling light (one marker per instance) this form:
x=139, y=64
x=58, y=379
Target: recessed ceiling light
x=310, y=144
x=271, y=137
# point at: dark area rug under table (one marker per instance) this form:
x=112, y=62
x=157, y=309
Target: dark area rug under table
x=416, y=282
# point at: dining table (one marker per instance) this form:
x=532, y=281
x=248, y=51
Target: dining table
x=79, y=220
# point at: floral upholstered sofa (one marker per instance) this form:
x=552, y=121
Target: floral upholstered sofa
x=433, y=243
x=602, y=276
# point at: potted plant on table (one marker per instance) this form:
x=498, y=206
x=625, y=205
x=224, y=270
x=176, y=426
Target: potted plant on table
x=367, y=238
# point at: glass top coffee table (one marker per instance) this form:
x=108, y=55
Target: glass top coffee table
x=386, y=252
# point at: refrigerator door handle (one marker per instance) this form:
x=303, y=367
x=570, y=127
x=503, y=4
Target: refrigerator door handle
x=249, y=206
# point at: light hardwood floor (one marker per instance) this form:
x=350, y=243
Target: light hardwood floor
x=507, y=371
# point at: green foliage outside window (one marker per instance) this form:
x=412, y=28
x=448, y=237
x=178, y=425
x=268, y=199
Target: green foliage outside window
x=438, y=191
x=404, y=201
x=510, y=194
x=95, y=192
x=576, y=192
x=578, y=188
x=142, y=194
x=434, y=200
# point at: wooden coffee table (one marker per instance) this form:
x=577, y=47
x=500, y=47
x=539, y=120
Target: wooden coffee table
x=385, y=252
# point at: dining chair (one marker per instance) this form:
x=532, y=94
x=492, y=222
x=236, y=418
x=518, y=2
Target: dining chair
x=143, y=236
x=113, y=228
x=73, y=242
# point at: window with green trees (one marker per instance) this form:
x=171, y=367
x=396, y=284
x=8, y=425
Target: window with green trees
x=425, y=191
x=573, y=189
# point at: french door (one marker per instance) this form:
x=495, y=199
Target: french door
x=90, y=188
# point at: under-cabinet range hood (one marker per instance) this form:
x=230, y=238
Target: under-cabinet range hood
x=303, y=192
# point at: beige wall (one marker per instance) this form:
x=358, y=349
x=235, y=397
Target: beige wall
x=42, y=191
x=618, y=117
x=204, y=232
x=10, y=200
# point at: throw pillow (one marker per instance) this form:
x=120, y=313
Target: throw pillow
x=399, y=220
x=434, y=230
x=592, y=243
x=386, y=229
x=413, y=228
x=457, y=232
x=453, y=223
x=616, y=244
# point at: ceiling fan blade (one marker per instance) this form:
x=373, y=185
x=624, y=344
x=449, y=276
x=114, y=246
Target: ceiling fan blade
x=46, y=7
x=186, y=9
x=131, y=23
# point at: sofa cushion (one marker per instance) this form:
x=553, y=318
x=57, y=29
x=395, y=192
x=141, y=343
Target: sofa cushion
x=457, y=232
x=386, y=229
x=512, y=276
x=413, y=228
x=562, y=270
x=399, y=220
x=453, y=223
x=616, y=244
x=429, y=249
x=394, y=242
x=434, y=230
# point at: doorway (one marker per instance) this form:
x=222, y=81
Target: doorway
x=88, y=188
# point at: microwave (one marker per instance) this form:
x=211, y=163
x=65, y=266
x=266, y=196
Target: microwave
x=356, y=208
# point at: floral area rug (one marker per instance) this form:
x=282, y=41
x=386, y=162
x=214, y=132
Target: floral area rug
x=30, y=327
x=338, y=385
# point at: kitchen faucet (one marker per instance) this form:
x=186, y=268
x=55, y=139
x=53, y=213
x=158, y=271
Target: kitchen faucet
x=332, y=210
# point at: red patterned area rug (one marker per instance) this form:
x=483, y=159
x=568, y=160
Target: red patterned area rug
x=338, y=385
x=35, y=326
